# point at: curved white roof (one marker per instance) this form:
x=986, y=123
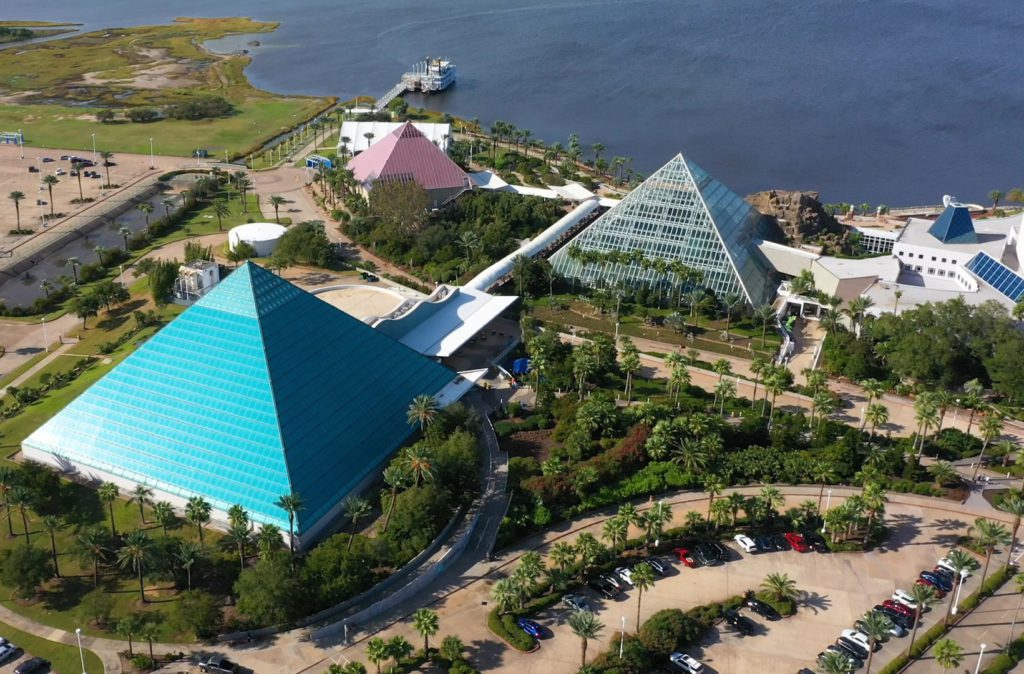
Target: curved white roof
x=257, y=231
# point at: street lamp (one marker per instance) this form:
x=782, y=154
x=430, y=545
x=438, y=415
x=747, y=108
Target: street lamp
x=21, y=143
x=120, y=278
x=981, y=654
x=81, y=654
x=828, y=502
x=46, y=342
x=622, y=639
x=960, y=586
x=151, y=167
x=94, y=147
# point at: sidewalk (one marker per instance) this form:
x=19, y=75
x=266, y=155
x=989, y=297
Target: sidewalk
x=29, y=373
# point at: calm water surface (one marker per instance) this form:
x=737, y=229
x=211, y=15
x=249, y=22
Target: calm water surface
x=884, y=101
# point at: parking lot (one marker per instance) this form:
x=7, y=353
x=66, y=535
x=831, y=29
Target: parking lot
x=837, y=589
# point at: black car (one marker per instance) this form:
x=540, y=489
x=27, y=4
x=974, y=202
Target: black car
x=762, y=609
x=852, y=647
x=32, y=665
x=659, y=566
x=741, y=623
x=218, y=664
x=603, y=587
x=906, y=622
x=942, y=582
x=706, y=555
x=779, y=542
x=815, y=540
x=720, y=551
x=763, y=543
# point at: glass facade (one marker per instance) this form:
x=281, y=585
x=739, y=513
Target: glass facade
x=256, y=391
x=680, y=213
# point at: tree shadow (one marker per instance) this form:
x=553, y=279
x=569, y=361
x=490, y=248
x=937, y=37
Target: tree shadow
x=67, y=593
x=903, y=529
x=485, y=655
x=949, y=524
x=816, y=602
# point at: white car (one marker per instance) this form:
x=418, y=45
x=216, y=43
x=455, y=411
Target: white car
x=686, y=663
x=625, y=574
x=746, y=543
x=944, y=563
x=859, y=637
x=903, y=597
x=6, y=649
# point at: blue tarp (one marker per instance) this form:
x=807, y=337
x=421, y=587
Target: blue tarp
x=520, y=366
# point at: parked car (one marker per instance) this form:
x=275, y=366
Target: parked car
x=745, y=543
x=7, y=649
x=706, y=555
x=603, y=587
x=855, y=662
x=944, y=563
x=816, y=541
x=778, y=542
x=719, y=550
x=903, y=597
x=33, y=169
x=854, y=648
x=939, y=592
x=33, y=665
x=660, y=566
x=939, y=580
x=576, y=602
x=47, y=160
x=858, y=636
x=903, y=620
x=625, y=573
x=797, y=542
x=612, y=580
x=741, y=623
x=686, y=663
x=894, y=629
x=762, y=609
x=60, y=172
x=218, y=664
x=685, y=557
x=65, y=157
x=530, y=627
x=899, y=607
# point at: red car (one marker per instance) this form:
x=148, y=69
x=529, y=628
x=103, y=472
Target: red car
x=685, y=558
x=939, y=592
x=797, y=542
x=898, y=607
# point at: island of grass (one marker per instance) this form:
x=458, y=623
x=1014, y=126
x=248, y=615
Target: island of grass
x=180, y=94
x=17, y=31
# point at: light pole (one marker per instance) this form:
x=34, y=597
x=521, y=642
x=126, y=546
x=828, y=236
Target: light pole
x=94, y=147
x=120, y=278
x=981, y=654
x=1015, y=612
x=622, y=639
x=151, y=167
x=956, y=599
x=46, y=342
x=21, y=143
x=81, y=654
x=828, y=502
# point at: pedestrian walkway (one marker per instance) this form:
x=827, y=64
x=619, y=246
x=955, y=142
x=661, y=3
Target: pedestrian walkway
x=32, y=371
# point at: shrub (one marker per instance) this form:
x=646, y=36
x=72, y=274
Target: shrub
x=201, y=107
x=143, y=662
x=96, y=607
x=666, y=631
x=143, y=115
x=504, y=627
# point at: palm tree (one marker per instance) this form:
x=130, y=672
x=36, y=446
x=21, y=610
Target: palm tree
x=990, y=534
x=222, y=210
x=77, y=167
x=197, y=512
x=972, y=399
x=923, y=596
x=691, y=455
x=834, y=662
x=51, y=525
x=135, y=553
x=877, y=414
x=91, y=545
x=943, y=472
x=562, y=555
x=615, y=531
x=643, y=579
x=143, y=496
x=398, y=648
x=73, y=263
x=239, y=534
x=356, y=508
x=991, y=427
x=506, y=594
x=106, y=157
x=377, y=651
x=961, y=562
x=50, y=181
x=948, y=654
x=7, y=483
x=426, y=623
x=995, y=196
x=16, y=196
x=418, y=463
x=20, y=498
x=452, y=648
x=395, y=478
x=187, y=554
x=772, y=499
x=127, y=627
x=268, y=540
x=291, y=504
x=277, y=201
x=764, y=315
x=875, y=626
x=586, y=626
x=163, y=514
x=1014, y=505
x=149, y=633
x=780, y=587
x=108, y=493
x=422, y=410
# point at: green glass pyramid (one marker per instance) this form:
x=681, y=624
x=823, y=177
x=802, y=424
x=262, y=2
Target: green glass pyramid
x=258, y=390
x=680, y=213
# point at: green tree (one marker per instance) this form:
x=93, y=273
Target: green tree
x=91, y=546
x=268, y=540
x=84, y=307
x=149, y=633
x=562, y=555
x=426, y=623
x=948, y=654
x=293, y=505
x=834, y=662
x=417, y=461
x=277, y=201
x=52, y=524
x=197, y=512
x=422, y=411
x=615, y=531
x=136, y=554
x=780, y=587
x=961, y=562
x=989, y=535
x=452, y=648
x=643, y=580
x=20, y=499
x=239, y=535
x=163, y=514
x=923, y=596
x=586, y=626
x=399, y=648
x=25, y=569
x=108, y=493
x=96, y=607
x=17, y=197
x=356, y=508
x=106, y=156
x=270, y=593
x=197, y=612
x=377, y=651
x=875, y=626
x=995, y=196
x=1013, y=504
x=8, y=480
x=50, y=180
x=222, y=210
x=128, y=627
x=186, y=556
x=396, y=478
x=142, y=496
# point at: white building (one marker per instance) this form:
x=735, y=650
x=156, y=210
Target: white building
x=195, y=279
x=262, y=236
x=356, y=132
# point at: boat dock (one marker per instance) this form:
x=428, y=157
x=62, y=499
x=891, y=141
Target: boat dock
x=428, y=76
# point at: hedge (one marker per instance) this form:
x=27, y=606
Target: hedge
x=504, y=627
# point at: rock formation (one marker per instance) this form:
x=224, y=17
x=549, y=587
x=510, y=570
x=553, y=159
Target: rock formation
x=799, y=214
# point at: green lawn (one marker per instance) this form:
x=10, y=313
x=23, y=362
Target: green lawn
x=65, y=659
x=67, y=128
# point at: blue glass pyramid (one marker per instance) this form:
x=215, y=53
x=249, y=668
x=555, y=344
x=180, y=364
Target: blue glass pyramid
x=258, y=390
x=954, y=226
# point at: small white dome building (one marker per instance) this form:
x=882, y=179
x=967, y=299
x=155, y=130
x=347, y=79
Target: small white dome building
x=263, y=236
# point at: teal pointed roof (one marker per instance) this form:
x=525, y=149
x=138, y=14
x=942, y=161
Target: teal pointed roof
x=954, y=225
x=259, y=389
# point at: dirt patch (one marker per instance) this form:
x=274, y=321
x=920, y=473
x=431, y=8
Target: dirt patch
x=536, y=444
